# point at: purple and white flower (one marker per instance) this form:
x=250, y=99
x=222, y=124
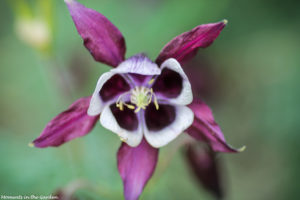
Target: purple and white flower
x=147, y=104
x=139, y=99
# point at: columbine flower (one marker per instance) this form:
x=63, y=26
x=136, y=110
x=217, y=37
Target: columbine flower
x=144, y=102
x=138, y=99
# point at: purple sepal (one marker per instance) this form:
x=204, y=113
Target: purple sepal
x=204, y=128
x=72, y=123
x=204, y=165
x=184, y=46
x=104, y=41
x=136, y=166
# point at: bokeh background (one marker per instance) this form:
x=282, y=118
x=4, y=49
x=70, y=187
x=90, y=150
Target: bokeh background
x=250, y=79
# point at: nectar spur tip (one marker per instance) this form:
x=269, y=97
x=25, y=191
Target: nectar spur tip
x=242, y=149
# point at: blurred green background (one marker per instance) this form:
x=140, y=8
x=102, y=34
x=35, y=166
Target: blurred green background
x=251, y=71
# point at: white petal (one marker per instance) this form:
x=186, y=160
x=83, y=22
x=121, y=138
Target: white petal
x=139, y=64
x=108, y=120
x=186, y=96
x=96, y=104
x=184, y=118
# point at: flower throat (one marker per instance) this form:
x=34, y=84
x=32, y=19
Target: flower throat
x=140, y=98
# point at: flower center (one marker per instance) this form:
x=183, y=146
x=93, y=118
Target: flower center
x=140, y=98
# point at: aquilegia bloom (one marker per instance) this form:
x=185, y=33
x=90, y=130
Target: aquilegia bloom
x=138, y=99
x=148, y=104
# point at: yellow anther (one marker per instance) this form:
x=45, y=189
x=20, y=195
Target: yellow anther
x=155, y=103
x=123, y=139
x=130, y=106
x=151, y=81
x=120, y=105
x=154, y=99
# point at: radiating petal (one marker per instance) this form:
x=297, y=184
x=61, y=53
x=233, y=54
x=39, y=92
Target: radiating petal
x=72, y=123
x=206, y=129
x=185, y=45
x=124, y=123
x=165, y=124
x=104, y=41
x=109, y=86
x=172, y=84
x=204, y=164
x=136, y=166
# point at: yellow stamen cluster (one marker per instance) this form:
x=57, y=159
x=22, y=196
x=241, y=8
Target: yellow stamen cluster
x=140, y=97
x=120, y=103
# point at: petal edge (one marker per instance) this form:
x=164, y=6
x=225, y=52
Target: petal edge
x=136, y=166
x=185, y=95
x=204, y=128
x=103, y=40
x=132, y=137
x=185, y=45
x=70, y=124
x=183, y=119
